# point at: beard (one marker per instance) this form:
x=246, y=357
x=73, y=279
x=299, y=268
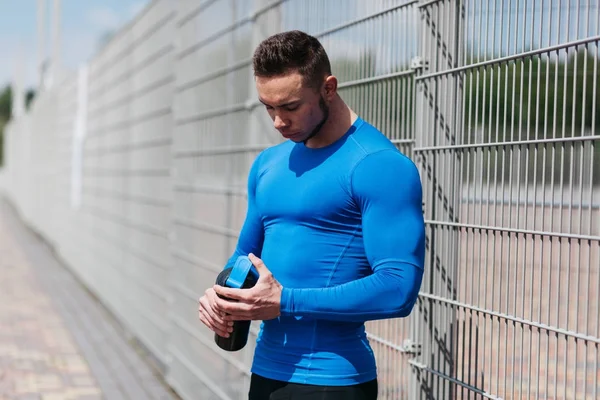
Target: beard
x=325, y=110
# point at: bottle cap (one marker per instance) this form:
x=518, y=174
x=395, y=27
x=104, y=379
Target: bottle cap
x=239, y=272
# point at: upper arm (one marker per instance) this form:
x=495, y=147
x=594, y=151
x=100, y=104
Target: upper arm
x=387, y=188
x=250, y=239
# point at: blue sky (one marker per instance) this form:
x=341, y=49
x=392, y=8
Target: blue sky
x=83, y=23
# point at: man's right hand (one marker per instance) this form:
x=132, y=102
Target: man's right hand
x=210, y=317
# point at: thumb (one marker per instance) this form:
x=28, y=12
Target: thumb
x=261, y=268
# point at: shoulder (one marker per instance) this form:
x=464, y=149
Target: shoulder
x=368, y=139
x=269, y=157
x=385, y=167
x=275, y=152
x=381, y=167
x=378, y=153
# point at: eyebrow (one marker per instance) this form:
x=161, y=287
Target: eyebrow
x=281, y=105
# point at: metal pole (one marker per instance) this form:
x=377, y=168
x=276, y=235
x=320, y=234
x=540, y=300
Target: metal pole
x=41, y=41
x=55, y=57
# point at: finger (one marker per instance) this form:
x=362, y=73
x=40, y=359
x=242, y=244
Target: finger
x=233, y=308
x=235, y=294
x=212, y=324
x=244, y=316
x=259, y=264
x=216, y=316
x=212, y=297
x=205, y=319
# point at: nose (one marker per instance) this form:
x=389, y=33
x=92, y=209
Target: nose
x=278, y=122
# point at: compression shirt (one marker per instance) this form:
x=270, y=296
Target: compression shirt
x=341, y=228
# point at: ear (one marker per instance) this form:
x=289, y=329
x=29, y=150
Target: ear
x=330, y=87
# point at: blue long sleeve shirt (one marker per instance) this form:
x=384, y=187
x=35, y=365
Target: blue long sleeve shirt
x=341, y=228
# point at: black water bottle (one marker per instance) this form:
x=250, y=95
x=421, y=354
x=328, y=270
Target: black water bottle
x=242, y=275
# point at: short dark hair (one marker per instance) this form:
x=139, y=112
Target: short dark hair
x=292, y=51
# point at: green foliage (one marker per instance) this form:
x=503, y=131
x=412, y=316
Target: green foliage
x=533, y=99
x=29, y=96
x=5, y=111
x=545, y=97
x=6, y=102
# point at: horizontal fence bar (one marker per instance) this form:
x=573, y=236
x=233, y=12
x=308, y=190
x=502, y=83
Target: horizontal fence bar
x=214, y=74
x=193, y=13
x=129, y=97
x=195, y=260
x=163, y=141
x=195, y=188
x=143, y=284
x=243, y=63
x=193, y=332
x=402, y=141
x=198, y=373
x=97, y=171
x=112, y=194
x=429, y=3
x=186, y=292
x=514, y=230
x=211, y=38
x=140, y=227
x=570, y=139
x=513, y=57
x=219, y=151
x=213, y=113
x=507, y=317
x=141, y=65
x=119, y=244
x=387, y=343
x=129, y=123
x=365, y=18
x=143, y=37
x=158, y=323
x=200, y=226
x=539, y=203
x=377, y=78
x=471, y=388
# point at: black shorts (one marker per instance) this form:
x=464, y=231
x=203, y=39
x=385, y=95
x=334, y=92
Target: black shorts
x=269, y=389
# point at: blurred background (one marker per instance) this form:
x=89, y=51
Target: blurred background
x=128, y=128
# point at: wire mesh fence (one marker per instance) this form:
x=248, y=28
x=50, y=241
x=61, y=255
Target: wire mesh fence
x=135, y=169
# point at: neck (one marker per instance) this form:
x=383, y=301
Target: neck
x=341, y=118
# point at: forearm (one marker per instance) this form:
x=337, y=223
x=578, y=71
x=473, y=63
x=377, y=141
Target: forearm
x=390, y=292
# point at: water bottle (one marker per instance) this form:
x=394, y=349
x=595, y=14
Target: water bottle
x=243, y=275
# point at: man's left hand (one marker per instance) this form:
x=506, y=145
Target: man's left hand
x=261, y=302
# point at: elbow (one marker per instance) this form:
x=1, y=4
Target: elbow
x=404, y=297
x=405, y=308
x=403, y=304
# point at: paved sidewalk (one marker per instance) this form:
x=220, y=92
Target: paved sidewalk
x=57, y=342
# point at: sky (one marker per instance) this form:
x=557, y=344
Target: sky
x=83, y=24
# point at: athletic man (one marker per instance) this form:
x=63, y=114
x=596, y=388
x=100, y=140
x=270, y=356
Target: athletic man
x=334, y=227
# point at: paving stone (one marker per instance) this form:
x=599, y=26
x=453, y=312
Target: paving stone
x=57, y=342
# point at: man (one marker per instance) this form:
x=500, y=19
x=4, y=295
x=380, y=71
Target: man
x=334, y=228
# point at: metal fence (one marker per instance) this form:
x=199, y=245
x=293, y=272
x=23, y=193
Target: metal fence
x=135, y=169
